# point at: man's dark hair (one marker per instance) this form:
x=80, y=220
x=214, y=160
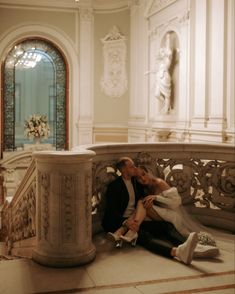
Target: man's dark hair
x=122, y=162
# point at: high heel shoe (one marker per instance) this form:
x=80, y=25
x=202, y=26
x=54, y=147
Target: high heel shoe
x=130, y=237
x=115, y=238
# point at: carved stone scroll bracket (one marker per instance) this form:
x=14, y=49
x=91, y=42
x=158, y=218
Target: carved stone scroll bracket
x=64, y=231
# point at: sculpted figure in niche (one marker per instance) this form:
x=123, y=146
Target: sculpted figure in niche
x=163, y=77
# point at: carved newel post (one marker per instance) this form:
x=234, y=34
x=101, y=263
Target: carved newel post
x=64, y=224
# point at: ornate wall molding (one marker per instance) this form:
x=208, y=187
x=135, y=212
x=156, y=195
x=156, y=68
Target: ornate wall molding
x=175, y=23
x=86, y=14
x=134, y=2
x=157, y=5
x=184, y=17
x=114, y=78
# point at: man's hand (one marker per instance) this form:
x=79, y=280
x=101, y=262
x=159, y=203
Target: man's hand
x=132, y=225
x=148, y=201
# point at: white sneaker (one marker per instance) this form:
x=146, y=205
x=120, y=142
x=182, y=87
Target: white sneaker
x=205, y=251
x=185, y=251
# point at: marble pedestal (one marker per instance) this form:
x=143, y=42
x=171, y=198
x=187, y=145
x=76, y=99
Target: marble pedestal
x=64, y=224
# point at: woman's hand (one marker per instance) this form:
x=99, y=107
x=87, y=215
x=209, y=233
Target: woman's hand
x=148, y=201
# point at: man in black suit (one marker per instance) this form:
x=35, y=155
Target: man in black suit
x=121, y=200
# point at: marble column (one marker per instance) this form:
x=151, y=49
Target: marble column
x=86, y=36
x=217, y=59
x=199, y=48
x=63, y=213
x=209, y=77
x=138, y=81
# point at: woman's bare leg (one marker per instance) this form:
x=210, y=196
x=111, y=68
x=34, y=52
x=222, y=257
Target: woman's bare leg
x=152, y=213
x=140, y=212
x=138, y=217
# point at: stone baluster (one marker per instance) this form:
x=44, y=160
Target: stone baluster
x=64, y=221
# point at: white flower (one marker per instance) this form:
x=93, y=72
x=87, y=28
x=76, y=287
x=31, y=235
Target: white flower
x=205, y=238
x=37, y=127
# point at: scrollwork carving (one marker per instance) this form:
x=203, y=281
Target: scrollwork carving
x=68, y=207
x=203, y=183
x=103, y=173
x=23, y=222
x=44, y=182
x=88, y=201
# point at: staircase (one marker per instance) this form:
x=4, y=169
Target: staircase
x=3, y=253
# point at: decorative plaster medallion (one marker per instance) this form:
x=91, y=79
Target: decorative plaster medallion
x=114, y=79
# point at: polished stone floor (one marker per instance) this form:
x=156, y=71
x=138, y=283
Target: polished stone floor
x=121, y=271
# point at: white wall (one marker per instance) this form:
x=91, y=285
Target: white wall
x=203, y=108
x=203, y=104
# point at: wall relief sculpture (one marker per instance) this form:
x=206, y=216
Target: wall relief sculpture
x=114, y=78
x=164, y=68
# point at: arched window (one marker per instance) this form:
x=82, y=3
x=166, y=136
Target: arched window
x=34, y=82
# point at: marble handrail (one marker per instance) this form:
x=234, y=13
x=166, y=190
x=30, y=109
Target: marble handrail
x=204, y=175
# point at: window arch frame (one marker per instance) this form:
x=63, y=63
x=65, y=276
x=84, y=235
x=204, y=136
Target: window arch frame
x=8, y=94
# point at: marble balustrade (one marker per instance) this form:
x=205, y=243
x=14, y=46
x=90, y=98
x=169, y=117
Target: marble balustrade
x=59, y=203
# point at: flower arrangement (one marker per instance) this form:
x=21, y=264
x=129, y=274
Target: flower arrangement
x=37, y=127
x=205, y=238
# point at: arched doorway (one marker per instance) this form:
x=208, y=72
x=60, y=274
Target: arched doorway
x=34, y=83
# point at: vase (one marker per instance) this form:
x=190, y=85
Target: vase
x=37, y=140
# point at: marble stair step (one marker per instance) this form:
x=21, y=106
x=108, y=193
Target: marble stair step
x=8, y=257
x=2, y=248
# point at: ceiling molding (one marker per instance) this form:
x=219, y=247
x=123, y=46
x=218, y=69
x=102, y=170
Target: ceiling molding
x=98, y=5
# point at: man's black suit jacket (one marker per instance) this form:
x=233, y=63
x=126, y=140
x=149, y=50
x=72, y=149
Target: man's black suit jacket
x=117, y=198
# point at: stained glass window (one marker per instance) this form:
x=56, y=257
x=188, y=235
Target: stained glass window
x=34, y=76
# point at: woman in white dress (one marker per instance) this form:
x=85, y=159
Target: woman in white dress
x=164, y=202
